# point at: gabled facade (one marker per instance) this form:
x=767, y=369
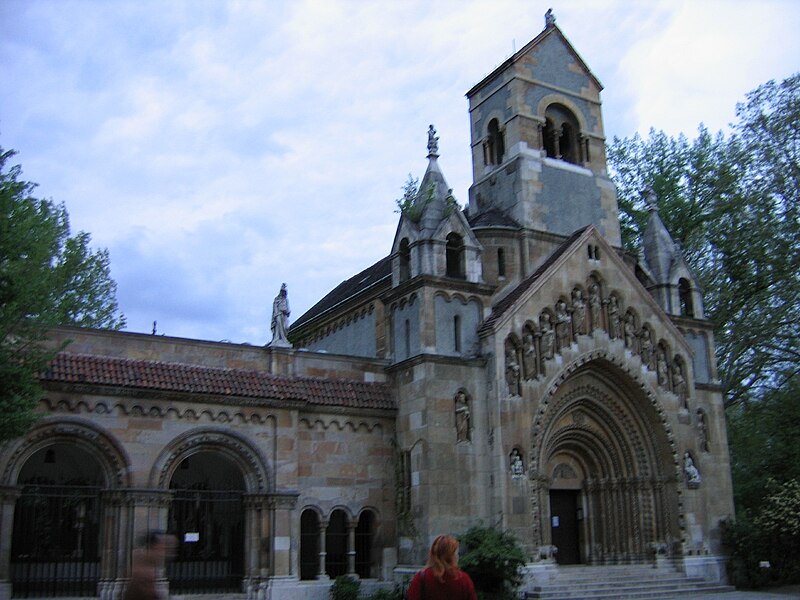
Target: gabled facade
x=504, y=364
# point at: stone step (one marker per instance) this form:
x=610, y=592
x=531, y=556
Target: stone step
x=629, y=582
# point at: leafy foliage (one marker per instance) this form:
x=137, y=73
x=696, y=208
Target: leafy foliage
x=732, y=204
x=47, y=278
x=765, y=446
x=396, y=593
x=772, y=536
x=345, y=588
x=493, y=560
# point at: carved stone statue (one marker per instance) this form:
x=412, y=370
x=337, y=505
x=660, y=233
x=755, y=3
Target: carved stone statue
x=595, y=304
x=662, y=369
x=549, y=18
x=462, y=417
x=548, y=336
x=529, y=358
x=693, y=478
x=629, y=331
x=613, y=317
x=280, y=319
x=517, y=467
x=563, y=334
x=512, y=371
x=702, y=431
x=679, y=387
x=646, y=347
x=433, y=142
x=578, y=312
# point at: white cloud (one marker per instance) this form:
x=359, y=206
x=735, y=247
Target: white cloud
x=219, y=149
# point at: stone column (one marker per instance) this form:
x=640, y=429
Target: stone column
x=351, y=547
x=323, y=553
x=148, y=511
x=256, y=538
x=116, y=543
x=8, y=500
x=281, y=506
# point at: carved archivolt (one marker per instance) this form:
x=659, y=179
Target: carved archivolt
x=111, y=457
x=255, y=470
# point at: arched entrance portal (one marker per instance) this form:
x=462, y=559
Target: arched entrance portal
x=56, y=541
x=207, y=514
x=605, y=488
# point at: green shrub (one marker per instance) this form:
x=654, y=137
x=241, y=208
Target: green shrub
x=383, y=594
x=345, y=588
x=493, y=560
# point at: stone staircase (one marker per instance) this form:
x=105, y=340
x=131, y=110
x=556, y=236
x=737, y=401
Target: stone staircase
x=624, y=581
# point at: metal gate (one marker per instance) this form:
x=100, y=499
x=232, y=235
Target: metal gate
x=55, y=543
x=210, y=528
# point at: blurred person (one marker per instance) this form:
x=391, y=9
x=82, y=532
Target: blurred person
x=154, y=548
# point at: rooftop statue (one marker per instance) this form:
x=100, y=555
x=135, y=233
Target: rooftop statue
x=280, y=319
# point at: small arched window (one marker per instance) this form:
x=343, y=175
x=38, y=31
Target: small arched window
x=494, y=147
x=309, y=544
x=454, y=256
x=685, y=298
x=457, y=333
x=336, y=545
x=405, y=260
x=363, y=539
x=501, y=262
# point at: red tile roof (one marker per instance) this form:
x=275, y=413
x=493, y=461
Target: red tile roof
x=193, y=379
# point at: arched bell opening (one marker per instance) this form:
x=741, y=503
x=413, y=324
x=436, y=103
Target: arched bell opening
x=606, y=488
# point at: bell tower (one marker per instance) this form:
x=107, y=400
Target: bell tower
x=538, y=147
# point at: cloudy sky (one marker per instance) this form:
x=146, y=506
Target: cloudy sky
x=219, y=148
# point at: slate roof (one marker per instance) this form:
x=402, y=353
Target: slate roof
x=347, y=289
x=492, y=218
x=505, y=303
x=193, y=379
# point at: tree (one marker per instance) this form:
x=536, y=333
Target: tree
x=493, y=560
x=732, y=204
x=47, y=278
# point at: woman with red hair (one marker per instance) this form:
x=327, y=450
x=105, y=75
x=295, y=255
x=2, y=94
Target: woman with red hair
x=442, y=579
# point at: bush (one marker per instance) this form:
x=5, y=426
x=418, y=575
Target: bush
x=345, y=588
x=493, y=560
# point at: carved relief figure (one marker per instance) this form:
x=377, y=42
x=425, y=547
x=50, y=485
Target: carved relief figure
x=679, y=387
x=517, y=467
x=578, y=312
x=563, y=336
x=613, y=317
x=512, y=371
x=529, y=359
x=280, y=319
x=646, y=347
x=693, y=477
x=462, y=417
x=595, y=304
x=548, y=336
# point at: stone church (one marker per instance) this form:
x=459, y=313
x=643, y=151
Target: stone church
x=506, y=364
